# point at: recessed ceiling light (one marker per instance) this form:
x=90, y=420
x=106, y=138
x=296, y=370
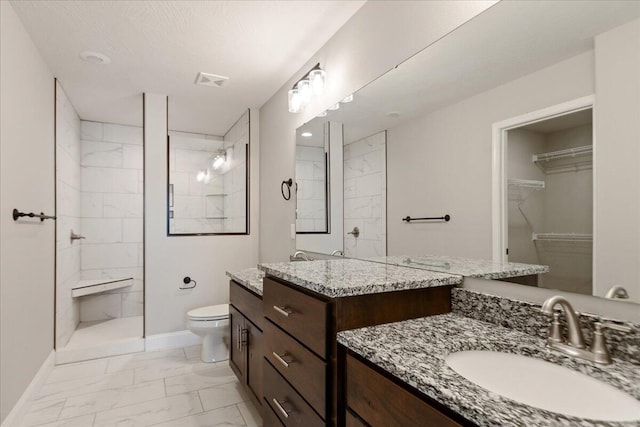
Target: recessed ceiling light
x=323, y=114
x=95, y=57
x=306, y=134
x=393, y=114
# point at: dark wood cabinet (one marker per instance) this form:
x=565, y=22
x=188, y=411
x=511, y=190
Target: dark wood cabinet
x=246, y=349
x=374, y=399
x=301, y=372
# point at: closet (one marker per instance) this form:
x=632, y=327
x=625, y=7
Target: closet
x=550, y=199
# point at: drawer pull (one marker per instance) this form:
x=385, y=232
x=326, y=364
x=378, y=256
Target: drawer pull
x=284, y=359
x=283, y=310
x=281, y=407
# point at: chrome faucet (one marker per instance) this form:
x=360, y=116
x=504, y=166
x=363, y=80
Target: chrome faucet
x=337, y=252
x=574, y=331
x=300, y=256
x=575, y=346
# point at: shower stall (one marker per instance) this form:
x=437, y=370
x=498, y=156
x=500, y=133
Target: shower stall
x=99, y=236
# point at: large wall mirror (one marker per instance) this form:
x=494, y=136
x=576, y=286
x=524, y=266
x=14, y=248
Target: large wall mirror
x=207, y=191
x=522, y=126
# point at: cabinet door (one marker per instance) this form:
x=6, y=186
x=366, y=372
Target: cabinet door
x=237, y=352
x=255, y=356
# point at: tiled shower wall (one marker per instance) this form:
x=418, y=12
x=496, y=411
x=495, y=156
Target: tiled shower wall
x=236, y=141
x=198, y=207
x=365, y=196
x=68, y=199
x=112, y=208
x=311, y=212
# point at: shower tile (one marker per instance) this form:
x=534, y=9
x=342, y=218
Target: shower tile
x=109, y=255
x=109, y=180
x=132, y=304
x=132, y=156
x=91, y=205
x=132, y=230
x=104, y=154
x=123, y=205
x=100, y=307
x=101, y=230
x=122, y=134
x=90, y=131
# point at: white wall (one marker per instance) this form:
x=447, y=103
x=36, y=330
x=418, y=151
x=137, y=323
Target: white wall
x=617, y=194
x=378, y=37
x=27, y=175
x=203, y=258
x=452, y=174
x=112, y=193
x=68, y=201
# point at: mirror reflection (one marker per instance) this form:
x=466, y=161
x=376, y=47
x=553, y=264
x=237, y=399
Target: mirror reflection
x=464, y=121
x=207, y=188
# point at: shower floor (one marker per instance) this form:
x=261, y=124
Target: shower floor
x=92, y=340
x=90, y=334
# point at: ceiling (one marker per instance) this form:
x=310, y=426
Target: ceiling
x=160, y=46
x=509, y=40
x=563, y=122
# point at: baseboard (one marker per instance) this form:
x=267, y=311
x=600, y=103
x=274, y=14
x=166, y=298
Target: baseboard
x=20, y=408
x=171, y=340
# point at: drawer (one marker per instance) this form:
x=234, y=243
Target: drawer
x=247, y=303
x=301, y=315
x=288, y=405
x=269, y=418
x=381, y=402
x=305, y=371
x=353, y=421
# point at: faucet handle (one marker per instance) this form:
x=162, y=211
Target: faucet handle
x=599, y=343
x=555, y=328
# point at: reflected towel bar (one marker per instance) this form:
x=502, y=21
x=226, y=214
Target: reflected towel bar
x=445, y=218
x=17, y=214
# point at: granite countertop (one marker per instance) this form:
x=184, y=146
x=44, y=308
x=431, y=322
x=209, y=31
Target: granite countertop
x=250, y=278
x=348, y=277
x=414, y=352
x=467, y=267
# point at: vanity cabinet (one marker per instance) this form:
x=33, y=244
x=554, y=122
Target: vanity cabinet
x=246, y=338
x=300, y=348
x=373, y=399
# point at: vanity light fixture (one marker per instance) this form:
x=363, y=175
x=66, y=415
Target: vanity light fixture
x=306, y=134
x=303, y=90
x=334, y=107
x=323, y=114
x=347, y=99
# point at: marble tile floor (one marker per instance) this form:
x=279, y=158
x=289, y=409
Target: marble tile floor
x=169, y=388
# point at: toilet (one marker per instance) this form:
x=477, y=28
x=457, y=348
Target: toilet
x=212, y=324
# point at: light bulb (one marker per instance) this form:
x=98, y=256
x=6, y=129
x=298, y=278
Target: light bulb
x=348, y=99
x=304, y=90
x=295, y=104
x=200, y=176
x=316, y=78
x=306, y=134
x=219, y=161
x=334, y=107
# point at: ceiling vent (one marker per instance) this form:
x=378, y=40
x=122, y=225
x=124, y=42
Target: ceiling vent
x=211, y=80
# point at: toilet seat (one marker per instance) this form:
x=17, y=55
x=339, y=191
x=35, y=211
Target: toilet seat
x=211, y=312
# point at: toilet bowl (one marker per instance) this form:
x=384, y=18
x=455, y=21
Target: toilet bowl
x=212, y=324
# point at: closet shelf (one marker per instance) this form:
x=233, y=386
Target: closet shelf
x=527, y=183
x=562, y=237
x=585, y=150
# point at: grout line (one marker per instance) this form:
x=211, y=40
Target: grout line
x=165, y=388
x=93, y=422
x=200, y=399
x=241, y=416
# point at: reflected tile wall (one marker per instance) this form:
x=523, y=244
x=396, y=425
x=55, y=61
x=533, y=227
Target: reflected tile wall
x=365, y=190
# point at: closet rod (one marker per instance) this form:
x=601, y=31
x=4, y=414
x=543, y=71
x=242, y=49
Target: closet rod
x=570, y=152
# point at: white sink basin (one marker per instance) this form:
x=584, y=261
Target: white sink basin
x=545, y=385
